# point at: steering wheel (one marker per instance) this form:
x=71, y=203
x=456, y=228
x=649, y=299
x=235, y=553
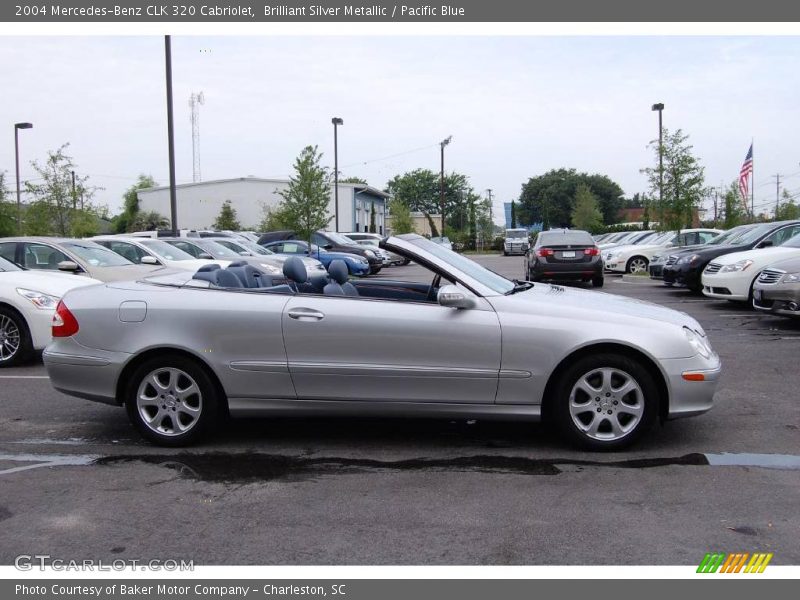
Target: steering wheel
x=434, y=287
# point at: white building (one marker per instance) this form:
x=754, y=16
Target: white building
x=200, y=203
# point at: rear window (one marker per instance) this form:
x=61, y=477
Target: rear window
x=565, y=238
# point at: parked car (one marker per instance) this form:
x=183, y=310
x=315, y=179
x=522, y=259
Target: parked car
x=777, y=289
x=636, y=257
x=660, y=259
x=516, y=242
x=28, y=300
x=330, y=241
x=685, y=268
x=443, y=241
x=270, y=263
x=68, y=255
x=243, y=247
x=733, y=276
x=356, y=265
x=564, y=255
x=631, y=237
x=604, y=368
x=148, y=251
x=373, y=240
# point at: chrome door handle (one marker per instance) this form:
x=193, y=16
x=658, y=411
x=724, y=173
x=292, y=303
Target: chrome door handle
x=306, y=314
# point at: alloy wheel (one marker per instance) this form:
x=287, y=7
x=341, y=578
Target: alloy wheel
x=637, y=265
x=606, y=404
x=9, y=338
x=169, y=401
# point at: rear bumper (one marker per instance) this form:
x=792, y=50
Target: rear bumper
x=687, y=397
x=567, y=271
x=84, y=372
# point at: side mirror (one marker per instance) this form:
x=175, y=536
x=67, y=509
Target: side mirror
x=68, y=265
x=149, y=260
x=327, y=246
x=454, y=297
x=203, y=255
x=244, y=253
x=766, y=244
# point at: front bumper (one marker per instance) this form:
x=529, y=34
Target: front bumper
x=83, y=372
x=727, y=286
x=515, y=248
x=40, y=324
x=656, y=271
x=681, y=275
x=690, y=397
x=777, y=298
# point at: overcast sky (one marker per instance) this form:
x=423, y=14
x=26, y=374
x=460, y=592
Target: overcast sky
x=515, y=106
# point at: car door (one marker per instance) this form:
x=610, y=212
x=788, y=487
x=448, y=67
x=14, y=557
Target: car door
x=36, y=255
x=350, y=348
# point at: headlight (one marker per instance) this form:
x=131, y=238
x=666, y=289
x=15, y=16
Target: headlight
x=39, y=299
x=656, y=259
x=742, y=265
x=271, y=269
x=370, y=253
x=610, y=255
x=698, y=343
x=790, y=278
x=688, y=259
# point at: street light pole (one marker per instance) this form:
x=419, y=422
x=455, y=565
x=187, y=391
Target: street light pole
x=173, y=194
x=17, y=127
x=336, y=122
x=660, y=107
x=442, y=144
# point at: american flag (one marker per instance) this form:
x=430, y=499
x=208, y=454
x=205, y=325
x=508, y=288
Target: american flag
x=744, y=175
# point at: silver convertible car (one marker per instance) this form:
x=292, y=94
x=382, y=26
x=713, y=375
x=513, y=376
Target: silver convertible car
x=182, y=350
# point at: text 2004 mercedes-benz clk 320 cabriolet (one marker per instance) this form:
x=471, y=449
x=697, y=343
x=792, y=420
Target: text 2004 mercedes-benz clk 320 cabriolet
x=179, y=349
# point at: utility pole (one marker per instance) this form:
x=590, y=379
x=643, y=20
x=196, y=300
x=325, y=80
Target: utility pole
x=777, y=194
x=195, y=102
x=491, y=209
x=173, y=194
x=442, y=144
x=74, y=193
x=660, y=108
x=336, y=121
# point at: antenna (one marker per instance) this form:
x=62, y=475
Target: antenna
x=195, y=102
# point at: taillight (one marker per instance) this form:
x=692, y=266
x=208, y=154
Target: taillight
x=64, y=322
x=545, y=252
x=592, y=251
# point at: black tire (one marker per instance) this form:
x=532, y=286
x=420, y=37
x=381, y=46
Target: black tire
x=505, y=253
x=647, y=400
x=14, y=330
x=598, y=282
x=210, y=403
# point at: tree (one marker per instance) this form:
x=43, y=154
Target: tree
x=684, y=181
x=372, y=226
x=585, y=214
x=275, y=219
x=123, y=222
x=306, y=199
x=149, y=221
x=227, y=218
x=734, y=213
x=549, y=198
x=787, y=210
x=513, y=215
x=54, y=209
x=401, y=217
x=8, y=211
x=353, y=180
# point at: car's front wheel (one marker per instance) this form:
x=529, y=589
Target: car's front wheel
x=605, y=402
x=171, y=401
x=15, y=338
x=637, y=264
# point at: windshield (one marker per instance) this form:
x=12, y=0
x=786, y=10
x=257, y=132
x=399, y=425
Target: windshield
x=751, y=235
x=97, y=256
x=217, y=250
x=516, y=233
x=490, y=279
x=340, y=239
x=253, y=247
x=6, y=265
x=165, y=250
x=726, y=237
x=663, y=238
x=642, y=237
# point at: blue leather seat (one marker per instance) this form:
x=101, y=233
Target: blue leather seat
x=249, y=275
x=218, y=277
x=339, y=285
x=295, y=271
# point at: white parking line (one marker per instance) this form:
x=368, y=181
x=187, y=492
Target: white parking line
x=24, y=377
x=45, y=460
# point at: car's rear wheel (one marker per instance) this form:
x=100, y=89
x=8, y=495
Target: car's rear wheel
x=171, y=401
x=598, y=282
x=15, y=338
x=637, y=264
x=605, y=402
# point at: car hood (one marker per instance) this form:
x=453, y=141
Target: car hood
x=279, y=259
x=590, y=305
x=790, y=265
x=123, y=273
x=708, y=252
x=54, y=284
x=762, y=255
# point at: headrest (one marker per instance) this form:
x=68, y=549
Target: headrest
x=338, y=270
x=239, y=263
x=226, y=279
x=295, y=270
x=207, y=268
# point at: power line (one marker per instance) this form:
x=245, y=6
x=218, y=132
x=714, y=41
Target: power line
x=374, y=160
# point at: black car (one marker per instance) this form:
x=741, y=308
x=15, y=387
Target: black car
x=685, y=268
x=564, y=255
x=656, y=266
x=329, y=240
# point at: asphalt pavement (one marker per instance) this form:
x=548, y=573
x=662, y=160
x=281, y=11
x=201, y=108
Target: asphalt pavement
x=76, y=481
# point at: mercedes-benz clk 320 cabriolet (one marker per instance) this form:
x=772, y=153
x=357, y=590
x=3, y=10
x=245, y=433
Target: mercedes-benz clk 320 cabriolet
x=181, y=350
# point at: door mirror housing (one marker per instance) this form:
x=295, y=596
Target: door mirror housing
x=327, y=246
x=766, y=244
x=68, y=265
x=203, y=255
x=454, y=297
x=149, y=260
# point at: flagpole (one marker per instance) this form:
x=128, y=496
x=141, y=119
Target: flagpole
x=753, y=183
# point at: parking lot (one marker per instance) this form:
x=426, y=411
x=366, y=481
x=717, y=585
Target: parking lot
x=76, y=481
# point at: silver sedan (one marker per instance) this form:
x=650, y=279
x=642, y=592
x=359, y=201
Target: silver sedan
x=179, y=350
